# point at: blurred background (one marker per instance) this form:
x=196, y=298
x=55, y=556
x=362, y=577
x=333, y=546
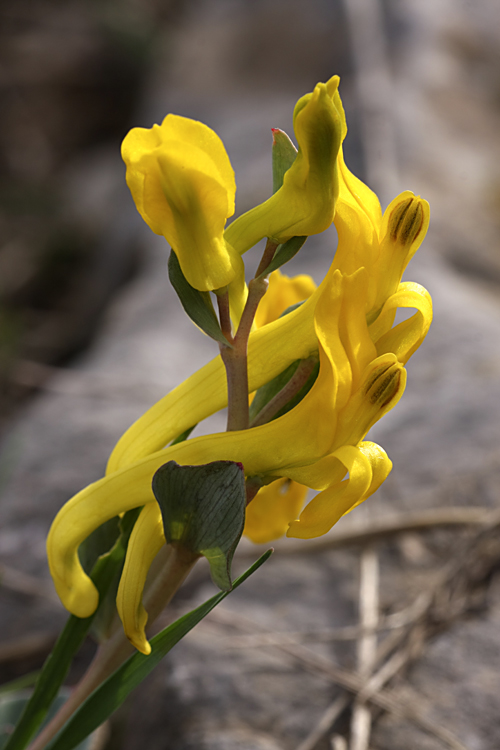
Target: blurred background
x=91, y=335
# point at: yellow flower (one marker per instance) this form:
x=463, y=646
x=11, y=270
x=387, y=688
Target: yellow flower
x=305, y=204
x=183, y=186
x=307, y=444
x=348, y=321
x=364, y=242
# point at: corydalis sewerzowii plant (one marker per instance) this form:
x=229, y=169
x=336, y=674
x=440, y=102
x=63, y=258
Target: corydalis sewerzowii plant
x=345, y=325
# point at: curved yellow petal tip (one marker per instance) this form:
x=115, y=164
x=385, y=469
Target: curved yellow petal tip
x=268, y=515
x=81, y=603
x=140, y=642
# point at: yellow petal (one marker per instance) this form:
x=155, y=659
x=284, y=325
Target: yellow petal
x=404, y=226
x=271, y=349
x=405, y=338
x=183, y=186
x=270, y=512
x=300, y=436
x=381, y=468
x=145, y=542
x=325, y=509
x=358, y=212
x=282, y=293
x=305, y=204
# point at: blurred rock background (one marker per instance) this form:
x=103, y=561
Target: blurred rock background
x=91, y=335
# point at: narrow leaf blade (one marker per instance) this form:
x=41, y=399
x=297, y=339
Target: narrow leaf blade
x=58, y=663
x=111, y=694
x=284, y=153
x=195, y=303
x=283, y=254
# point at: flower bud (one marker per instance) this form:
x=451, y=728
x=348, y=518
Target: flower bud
x=383, y=384
x=305, y=203
x=404, y=226
x=183, y=186
x=381, y=388
x=406, y=221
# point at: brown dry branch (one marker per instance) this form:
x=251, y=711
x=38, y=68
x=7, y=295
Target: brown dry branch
x=447, y=598
x=352, y=682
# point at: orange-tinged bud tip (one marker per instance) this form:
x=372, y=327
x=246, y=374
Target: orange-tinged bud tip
x=406, y=221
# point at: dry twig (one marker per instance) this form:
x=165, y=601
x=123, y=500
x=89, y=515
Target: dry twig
x=367, y=644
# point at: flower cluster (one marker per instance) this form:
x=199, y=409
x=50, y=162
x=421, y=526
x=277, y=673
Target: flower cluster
x=183, y=185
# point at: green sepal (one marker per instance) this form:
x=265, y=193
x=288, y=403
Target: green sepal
x=274, y=386
x=283, y=254
x=58, y=663
x=203, y=510
x=300, y=394
x=183, y=436
x=111, y=694
x=284, y=153
x=268, y=391
x=198, y=305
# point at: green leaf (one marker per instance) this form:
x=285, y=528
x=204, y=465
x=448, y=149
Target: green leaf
x=11, y=708
x=283, y=254
x=197, y=305
x=59, y=661
x=98, y=543
x=203, y=509
x=271, y=389
x=183, y=436
x=111, y=694
x=268, y=391
x=284, y=153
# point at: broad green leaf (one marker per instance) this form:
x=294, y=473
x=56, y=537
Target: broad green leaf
x=283, y=254
x=59, y=661
x=203, y=509
x=197, y=305
x=284, y=153
x=111, y=694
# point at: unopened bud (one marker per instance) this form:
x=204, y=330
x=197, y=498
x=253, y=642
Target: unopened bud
x=381, y=388
x=404, y=226
x=383, y=384
x=406, y=221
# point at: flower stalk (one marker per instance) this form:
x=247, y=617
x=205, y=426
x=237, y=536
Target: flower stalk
x=235, y=357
